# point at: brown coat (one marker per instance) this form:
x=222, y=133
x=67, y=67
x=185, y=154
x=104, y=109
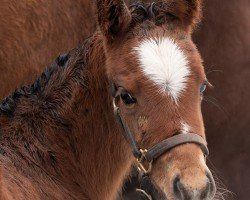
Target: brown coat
x=223, y=46
x=59, y=138
x=34, y=32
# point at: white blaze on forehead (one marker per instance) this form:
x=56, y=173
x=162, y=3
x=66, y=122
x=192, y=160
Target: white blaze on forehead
x=163, y=62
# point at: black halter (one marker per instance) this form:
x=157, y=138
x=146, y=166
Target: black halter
x=147, y=156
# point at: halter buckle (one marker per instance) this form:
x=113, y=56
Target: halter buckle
x=141, y=161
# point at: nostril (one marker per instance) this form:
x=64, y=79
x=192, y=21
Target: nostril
x=175, y=183
x=178, y=187
x=205, y=193
x=210, y=189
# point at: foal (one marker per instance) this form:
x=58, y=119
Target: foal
x=59, y=136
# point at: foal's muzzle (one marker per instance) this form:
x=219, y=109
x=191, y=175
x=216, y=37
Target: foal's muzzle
x=185, y=191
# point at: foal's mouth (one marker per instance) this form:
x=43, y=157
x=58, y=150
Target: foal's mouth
x=150, y=191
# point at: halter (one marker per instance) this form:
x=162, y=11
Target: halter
x=146, y=157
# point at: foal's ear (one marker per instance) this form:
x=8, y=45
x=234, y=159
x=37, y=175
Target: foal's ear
x=187, y=12
x=113, y=17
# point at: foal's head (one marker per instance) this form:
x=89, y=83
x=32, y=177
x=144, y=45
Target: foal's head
x=159, y=80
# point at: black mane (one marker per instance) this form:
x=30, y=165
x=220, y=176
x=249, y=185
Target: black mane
x=7, y=106
x=72, y=68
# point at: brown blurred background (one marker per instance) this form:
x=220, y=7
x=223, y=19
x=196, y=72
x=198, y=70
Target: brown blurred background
x=224, y=43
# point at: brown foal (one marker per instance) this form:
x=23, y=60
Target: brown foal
x=59, y=136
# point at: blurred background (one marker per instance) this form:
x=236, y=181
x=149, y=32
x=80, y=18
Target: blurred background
x=33, y=33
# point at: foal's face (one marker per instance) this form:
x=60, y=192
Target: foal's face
x=160, y=79
x=160, y=82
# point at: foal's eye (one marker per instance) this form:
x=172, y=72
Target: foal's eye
x=203, y=87
x=127, y=98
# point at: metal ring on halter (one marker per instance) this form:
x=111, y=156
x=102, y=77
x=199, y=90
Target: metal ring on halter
x=115, y=107
x=144, y=193
x=142, y=159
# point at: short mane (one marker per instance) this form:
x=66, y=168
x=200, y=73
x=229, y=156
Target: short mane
x=63, y=62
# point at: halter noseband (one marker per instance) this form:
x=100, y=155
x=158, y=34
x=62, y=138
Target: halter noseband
x=149, y=155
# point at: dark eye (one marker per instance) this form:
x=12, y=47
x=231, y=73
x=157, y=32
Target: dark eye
x=203, y=88
x=127, y=98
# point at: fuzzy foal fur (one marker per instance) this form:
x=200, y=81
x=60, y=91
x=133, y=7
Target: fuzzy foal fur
x=59, y=138
x=57, y=134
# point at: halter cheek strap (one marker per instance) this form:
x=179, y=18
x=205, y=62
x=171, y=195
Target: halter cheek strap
x=127, y=134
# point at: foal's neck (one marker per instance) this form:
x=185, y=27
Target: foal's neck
x=64, y=127
x=106, y=158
